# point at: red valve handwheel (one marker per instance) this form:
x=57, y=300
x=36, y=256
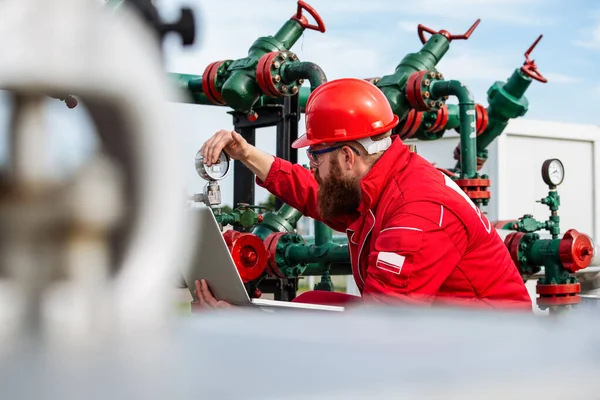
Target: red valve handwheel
x=248, y=253
x=422, y=28
x=529, y=68
x=304, y=22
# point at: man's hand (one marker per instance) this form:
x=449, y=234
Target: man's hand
x=237, y=148
x=229, y=141
x=205, y=298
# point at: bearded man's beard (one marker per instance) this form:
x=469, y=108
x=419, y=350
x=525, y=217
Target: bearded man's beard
x=338, y=195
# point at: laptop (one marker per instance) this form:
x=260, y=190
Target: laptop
x=213, y=262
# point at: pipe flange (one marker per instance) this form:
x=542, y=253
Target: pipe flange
x=248, y=252
x=410, y=125
x=441, y=120
x=418, y=91
x=576, y=251
x=278, y=244
x=558, y=294
x=512, y=243
x=482, y=119
x=213, y=78
x=477, y=189
x=269, y=73
x=271, y=243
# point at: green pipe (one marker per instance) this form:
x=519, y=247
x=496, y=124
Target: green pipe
x=323, y=234
x=336, y=268
x=303, y=70
x=543, y=251
x=466, y=106
x=325, y=254
x=506, y=101
x=335, y=239
x=429, y=119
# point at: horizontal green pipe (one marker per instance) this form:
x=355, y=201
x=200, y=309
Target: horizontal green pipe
x=325, y=254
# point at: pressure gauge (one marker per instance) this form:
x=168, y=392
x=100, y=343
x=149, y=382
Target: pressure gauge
x=215, y=172
x=553, y=172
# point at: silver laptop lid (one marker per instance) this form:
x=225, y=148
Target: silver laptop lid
x=212, y=261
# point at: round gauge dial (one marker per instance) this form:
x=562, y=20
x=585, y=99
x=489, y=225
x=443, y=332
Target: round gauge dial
x=215, y=172
x=553, y=172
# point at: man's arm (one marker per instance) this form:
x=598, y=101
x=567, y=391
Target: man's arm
x=413, y=256
x=293, y=184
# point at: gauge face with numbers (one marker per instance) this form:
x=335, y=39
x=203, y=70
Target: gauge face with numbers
x=553, y=172
x=215, y=172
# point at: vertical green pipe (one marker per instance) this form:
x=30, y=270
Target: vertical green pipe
x=468, y=135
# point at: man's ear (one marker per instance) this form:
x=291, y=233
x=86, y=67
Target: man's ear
x=348, y=157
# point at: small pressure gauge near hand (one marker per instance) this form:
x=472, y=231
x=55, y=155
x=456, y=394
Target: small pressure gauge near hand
x=215, y=172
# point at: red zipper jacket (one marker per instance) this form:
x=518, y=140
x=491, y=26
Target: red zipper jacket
x=416, y=237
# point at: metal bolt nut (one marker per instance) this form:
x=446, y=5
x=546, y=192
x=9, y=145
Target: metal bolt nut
x=440, y=104
x=276, y=64
x=439, y=75
x=300, y=82
x=294, y=57
x=294, y=90
x=284, y=89
x=432, y=75
x=283, y=55
x=426, y=82
x=276, y=78
x=446, y=97
x=426, y=94
x=432, y=104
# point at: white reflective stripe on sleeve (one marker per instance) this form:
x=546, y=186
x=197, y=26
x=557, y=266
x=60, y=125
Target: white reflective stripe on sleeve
x=390, y=262
x=441, y=216
x=402, y=227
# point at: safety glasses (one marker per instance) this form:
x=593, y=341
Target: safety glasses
x=316, y=156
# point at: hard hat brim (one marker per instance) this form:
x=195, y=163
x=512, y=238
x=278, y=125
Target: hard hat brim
x=304, y=141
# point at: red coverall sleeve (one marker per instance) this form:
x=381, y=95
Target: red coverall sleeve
x=412, y=258
x=296, y=186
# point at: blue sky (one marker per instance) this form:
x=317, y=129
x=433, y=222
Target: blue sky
x=369, y=38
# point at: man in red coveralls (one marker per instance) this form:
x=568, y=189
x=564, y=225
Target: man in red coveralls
x=414, y=236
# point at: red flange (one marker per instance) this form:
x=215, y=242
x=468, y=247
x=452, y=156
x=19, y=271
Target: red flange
x=248, y=253
x=411, y=124
x=502, y=223
x=476, y=189
x=441, y=120
x=512, y=242
x=264, y=75
x=414, y=93
x=271, y=245
x=209, y=82
x=558, y=295
x=576, y=251
x=482, y=118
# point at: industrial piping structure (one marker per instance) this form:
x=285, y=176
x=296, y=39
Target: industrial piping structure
x=265, y=89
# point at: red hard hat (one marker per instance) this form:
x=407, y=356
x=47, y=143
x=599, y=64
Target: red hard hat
x=345, y=109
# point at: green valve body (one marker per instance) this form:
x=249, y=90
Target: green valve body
x=508, y=101
x=284, y=220
x=240, y=89
x=393, y=86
